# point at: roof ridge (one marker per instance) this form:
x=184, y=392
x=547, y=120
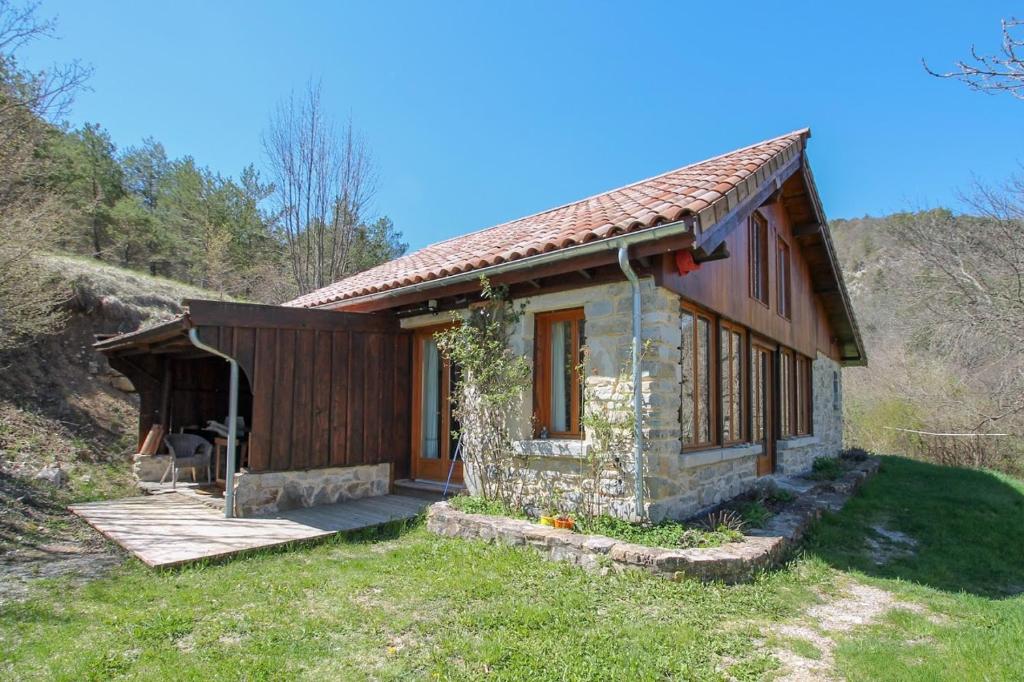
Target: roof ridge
x=794, y=133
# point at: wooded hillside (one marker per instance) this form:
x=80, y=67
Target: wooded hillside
x=942, y=359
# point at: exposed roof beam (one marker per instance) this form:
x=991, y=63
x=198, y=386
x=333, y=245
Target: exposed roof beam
x=720, y=253
x=806, y=229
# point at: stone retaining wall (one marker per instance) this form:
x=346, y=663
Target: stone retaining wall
x=731, y=563
x=268, y=493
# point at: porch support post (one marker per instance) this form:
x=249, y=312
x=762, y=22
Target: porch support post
x=229, y=475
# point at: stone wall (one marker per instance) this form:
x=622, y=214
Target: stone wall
x=795, y=455
x=271, y=492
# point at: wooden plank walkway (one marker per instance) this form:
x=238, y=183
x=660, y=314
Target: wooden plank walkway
x=171, y=529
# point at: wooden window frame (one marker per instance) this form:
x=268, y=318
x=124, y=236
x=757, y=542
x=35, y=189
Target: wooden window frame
x=803, y=397
x=445, y=454
x=757, y=245
x=784, y=278
x=787, y=398
x=743, y=419
x=542, y=373
x=714, y=428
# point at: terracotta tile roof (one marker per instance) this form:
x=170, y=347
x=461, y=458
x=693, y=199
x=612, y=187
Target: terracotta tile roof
x=707, y=188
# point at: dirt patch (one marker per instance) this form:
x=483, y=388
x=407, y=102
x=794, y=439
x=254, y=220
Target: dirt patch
x=859, y=605
x=888, y=545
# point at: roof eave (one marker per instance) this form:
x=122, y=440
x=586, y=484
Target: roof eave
x=640, y=238
x=861, y=360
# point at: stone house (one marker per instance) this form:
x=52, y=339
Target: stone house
x=721, y=275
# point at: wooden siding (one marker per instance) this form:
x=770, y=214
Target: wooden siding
x=323, y=397
x=318, y=389
x=723, y=286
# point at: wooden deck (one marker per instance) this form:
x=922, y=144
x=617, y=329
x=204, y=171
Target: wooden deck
x=171, y=529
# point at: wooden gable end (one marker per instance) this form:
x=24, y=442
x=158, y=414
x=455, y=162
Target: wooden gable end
x=724, y=285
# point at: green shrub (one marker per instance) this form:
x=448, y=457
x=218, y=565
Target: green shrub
x=754, y=513
x=780, y=496
x=694, y=538
x=854, y=454
x=723, y=518
x=665, y=534
x=825, y=469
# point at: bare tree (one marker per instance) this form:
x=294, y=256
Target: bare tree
x=323, y=183
x=1003, y=72
x=29, y=212
x=969, y=296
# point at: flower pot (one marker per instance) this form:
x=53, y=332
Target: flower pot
x=565, y=523
x=547, y=520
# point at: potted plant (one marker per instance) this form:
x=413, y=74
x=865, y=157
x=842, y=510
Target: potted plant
x=548, y=517
x=564, y=521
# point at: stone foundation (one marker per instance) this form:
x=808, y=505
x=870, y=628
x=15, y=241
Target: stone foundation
x=271, y=492
x=731, y=563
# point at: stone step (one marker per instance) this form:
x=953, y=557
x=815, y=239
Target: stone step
x=427, y=490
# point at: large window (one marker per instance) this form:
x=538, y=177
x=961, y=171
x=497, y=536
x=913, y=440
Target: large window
x=785, y=393
x=732, y=373
x=758, y=242
x=782, y=277
x=794, y=393
x=697, y=417
x=558, y=389
x=802, y=395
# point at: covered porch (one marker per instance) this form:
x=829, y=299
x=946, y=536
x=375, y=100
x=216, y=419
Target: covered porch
x=320, y=401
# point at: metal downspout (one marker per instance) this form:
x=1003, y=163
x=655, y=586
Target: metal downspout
x=229, y=484
x=638, y=442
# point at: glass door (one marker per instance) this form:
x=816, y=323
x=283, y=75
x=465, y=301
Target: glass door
x=434, y=445
x=762, y=401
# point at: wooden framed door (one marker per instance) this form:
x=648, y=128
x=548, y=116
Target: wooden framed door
x=433, y=445
x=763, y=398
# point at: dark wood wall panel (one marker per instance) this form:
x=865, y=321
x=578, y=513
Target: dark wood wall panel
x=357, y=399
x=339, y=397
x=281, y=420
x=265, y=353
x=323, y=397
x=723, y=286
x=317, y=388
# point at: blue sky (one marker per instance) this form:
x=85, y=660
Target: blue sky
x=482, y=112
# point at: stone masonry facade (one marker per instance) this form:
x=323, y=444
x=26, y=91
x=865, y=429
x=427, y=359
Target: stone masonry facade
x=566, y=474
x=271, y=492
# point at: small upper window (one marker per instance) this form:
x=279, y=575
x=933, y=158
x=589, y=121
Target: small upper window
x=782, y=267
x=758, y=241
x=558, y=388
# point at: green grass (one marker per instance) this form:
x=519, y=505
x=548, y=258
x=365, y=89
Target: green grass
x=472, y=504
x=967, y=567
x=413, y=606
x=667, y=534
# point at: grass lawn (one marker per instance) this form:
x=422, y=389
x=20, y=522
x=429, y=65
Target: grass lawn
x=412, y=606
